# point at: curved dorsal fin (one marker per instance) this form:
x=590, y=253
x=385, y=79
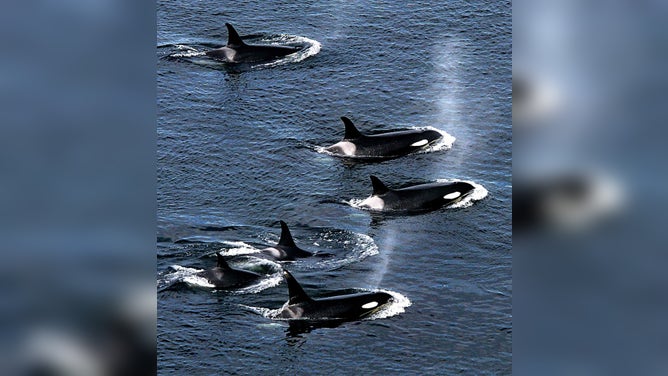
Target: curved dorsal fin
x=351, y=131
x=378, y=187
x=286, y=237
x=233, y=38
x=222, y=263
x=297, y=294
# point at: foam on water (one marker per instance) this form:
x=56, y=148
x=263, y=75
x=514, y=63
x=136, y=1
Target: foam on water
x=265, y=312
x=312, y=47
x=254, y=263
x=361, y=246
x=398, y=305
x=197, y=281
x=356, y=247
x=264, y=283
x=239, y=248
x=188, y=51
x=189, y=275
x=196, y=53
x=183, y=274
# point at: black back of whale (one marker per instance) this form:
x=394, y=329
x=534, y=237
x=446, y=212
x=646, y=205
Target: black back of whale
x=237, y=51
x=388, y=144
x=419, y=197
x=340, y=307
x=225, y=277
x=286, y=249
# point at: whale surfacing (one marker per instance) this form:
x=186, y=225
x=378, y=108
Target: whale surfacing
x=286, y=249
x=225, y=277
x=340, y=307
x=415, y=198
x=237, y=51
x=383, y=145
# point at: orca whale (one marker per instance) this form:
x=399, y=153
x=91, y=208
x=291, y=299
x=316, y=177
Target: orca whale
x=340, y=307
x=225, y=277
x=415, y=198
x=236, y=51
x=383, y=145
x=286, y=249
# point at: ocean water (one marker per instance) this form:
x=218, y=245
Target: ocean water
x=240, y=148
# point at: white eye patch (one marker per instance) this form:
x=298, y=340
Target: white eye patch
x=370, y=305
x=422, y=142
x=452, y=195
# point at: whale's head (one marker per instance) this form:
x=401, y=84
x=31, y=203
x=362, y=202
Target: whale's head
x=425, y=138
x=372, y=302
x=456, y=191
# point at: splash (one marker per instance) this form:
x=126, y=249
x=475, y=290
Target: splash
x=189, y=276
x=265, y=312
x=260, y=265
x=197, y=281
x=358, y=203
x=239, y=248
x=183, y=274
x=312, y=47
x=196, y=53
x=188, y=51
x=265, y=283
x=445, y=143
x=397, y=306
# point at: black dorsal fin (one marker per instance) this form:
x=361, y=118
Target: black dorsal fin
x=286, y=237
x=297, y=294
x=351, y=131
x=378, y=187
x=222, y=263
x=233, y=38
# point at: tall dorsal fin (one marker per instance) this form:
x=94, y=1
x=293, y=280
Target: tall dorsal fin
x=297, y=294
x=378, y=187
x=222, y=263
x=286, y=237
x=233, y=38
x=351, y=131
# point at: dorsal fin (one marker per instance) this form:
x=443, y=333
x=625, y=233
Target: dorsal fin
x=351, y=131
x=222, y=263
x=233, y=38
x=378, y=187
x=286, y=237
x=297, y=294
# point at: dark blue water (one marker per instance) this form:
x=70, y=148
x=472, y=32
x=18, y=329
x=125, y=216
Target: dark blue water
x=238, y=151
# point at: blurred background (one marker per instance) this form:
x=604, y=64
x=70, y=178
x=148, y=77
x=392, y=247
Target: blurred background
x=77, y=193
x=77, y=188
x=589, y=174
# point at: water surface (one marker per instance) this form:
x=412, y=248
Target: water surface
x=238, y=151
